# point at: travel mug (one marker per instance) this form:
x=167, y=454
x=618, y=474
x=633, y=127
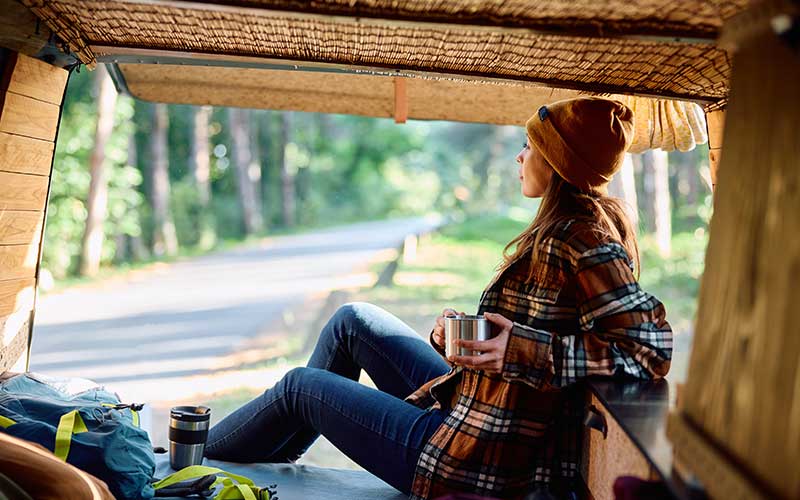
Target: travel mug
x=465, y=327
x=188, y=431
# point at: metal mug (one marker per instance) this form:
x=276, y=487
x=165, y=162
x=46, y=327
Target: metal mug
x=464, y=327
x=188, y=431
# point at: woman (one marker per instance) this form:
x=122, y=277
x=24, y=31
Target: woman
x=564, y=305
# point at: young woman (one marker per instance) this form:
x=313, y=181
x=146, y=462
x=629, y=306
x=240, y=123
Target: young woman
x=564, y=305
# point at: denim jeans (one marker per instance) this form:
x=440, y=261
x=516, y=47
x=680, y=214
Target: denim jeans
x=375, y=428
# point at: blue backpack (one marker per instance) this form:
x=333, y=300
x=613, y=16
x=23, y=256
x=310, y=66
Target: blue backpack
x=91, y=430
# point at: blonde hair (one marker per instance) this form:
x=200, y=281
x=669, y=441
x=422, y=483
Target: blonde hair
x=603, y=215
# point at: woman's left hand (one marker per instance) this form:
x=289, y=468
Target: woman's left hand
x=493, y=351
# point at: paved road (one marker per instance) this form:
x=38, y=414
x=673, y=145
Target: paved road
x=181, y=319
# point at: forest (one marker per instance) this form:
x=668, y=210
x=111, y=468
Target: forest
x=136, y=181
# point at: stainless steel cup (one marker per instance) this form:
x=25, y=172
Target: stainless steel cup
x=465, y=327
x=188, y=431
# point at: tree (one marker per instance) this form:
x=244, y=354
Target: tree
x=287, y=178
x=247, y=170
x=200, y=154
x=97, y=200
x=656, y=186
x=623, y=186
x=165, y=242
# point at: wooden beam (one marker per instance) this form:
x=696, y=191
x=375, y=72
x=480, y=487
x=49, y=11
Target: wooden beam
x=15, y=295
x=18, y=261
x=400, y=100
x=20, y=227
x=743, y=388
x=22, y=192
x=29, y=117
x=33, y=78
x=25, y=155
x=715, y=123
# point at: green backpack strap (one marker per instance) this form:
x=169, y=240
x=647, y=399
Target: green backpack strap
x=234, y=486
x=70, y=423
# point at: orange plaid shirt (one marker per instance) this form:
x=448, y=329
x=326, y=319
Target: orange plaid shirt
x=583, y=314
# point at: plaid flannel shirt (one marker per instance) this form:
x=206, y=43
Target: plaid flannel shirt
x=583, y=314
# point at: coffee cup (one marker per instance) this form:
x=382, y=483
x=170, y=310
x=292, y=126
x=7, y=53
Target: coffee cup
x=464, y=327
x=188, y=431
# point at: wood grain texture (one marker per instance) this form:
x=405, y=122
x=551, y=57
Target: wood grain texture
x=22, y=115
x=15, y=295
x=14, y=331
x=693, y=452
x=22, y=192
x=743, y=387
x=20, y=227
x=34, y=78
x=715, y=122
x=605, y=459
x=18, y=261
x=25, y=155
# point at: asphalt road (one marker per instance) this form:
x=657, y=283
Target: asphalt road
x=181, y=319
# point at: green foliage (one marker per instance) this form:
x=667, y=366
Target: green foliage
x=66, y=215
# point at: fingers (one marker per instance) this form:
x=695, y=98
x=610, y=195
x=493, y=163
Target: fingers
x=498, y=319
x=485, y=361
x=475, y=345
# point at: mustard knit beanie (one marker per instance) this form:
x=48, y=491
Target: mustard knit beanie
x=584, y=139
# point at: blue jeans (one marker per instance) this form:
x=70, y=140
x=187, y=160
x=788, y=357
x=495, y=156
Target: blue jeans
x=375, y=428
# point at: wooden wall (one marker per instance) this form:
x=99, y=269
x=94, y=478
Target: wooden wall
x=30, y=99
x=737, y=428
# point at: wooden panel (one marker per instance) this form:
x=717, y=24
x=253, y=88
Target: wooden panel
x=693, y=451
x=20, y=228
x=22, y=191
x=18, y=261
x=715, y=121
x=743, y=386
x=25, y=155
x=30, y=117
x=14, y=330
x=605, y=459
x=16, y=295
x=34, y=78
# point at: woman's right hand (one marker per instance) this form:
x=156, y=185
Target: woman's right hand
x=438, y=329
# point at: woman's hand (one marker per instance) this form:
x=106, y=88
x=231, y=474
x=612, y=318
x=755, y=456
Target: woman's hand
x=438, y=329
x=493, y=351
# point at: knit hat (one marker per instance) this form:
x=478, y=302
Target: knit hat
x=584, y=139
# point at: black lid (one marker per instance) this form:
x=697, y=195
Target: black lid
x=190, y=413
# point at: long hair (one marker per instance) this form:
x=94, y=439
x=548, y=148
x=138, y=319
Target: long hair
x=603, y=215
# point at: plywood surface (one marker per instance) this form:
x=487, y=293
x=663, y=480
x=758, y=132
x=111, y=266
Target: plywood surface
x=743, y=387
x=34, y=78
x=25, y=155
x=22, y=192
x=16, y=294
x=18, y=261
x=20, y=227
x=22, y=115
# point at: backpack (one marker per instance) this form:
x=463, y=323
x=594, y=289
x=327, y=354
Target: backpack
x=90, y=428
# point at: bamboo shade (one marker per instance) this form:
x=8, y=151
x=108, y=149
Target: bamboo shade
x=558, y=42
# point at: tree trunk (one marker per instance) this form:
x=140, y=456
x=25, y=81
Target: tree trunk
x=287, y=177
x=661, y=202
x=623, y=186
x=200, y=154
x=165, y=242
x=246, y=170
x=97, y=202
